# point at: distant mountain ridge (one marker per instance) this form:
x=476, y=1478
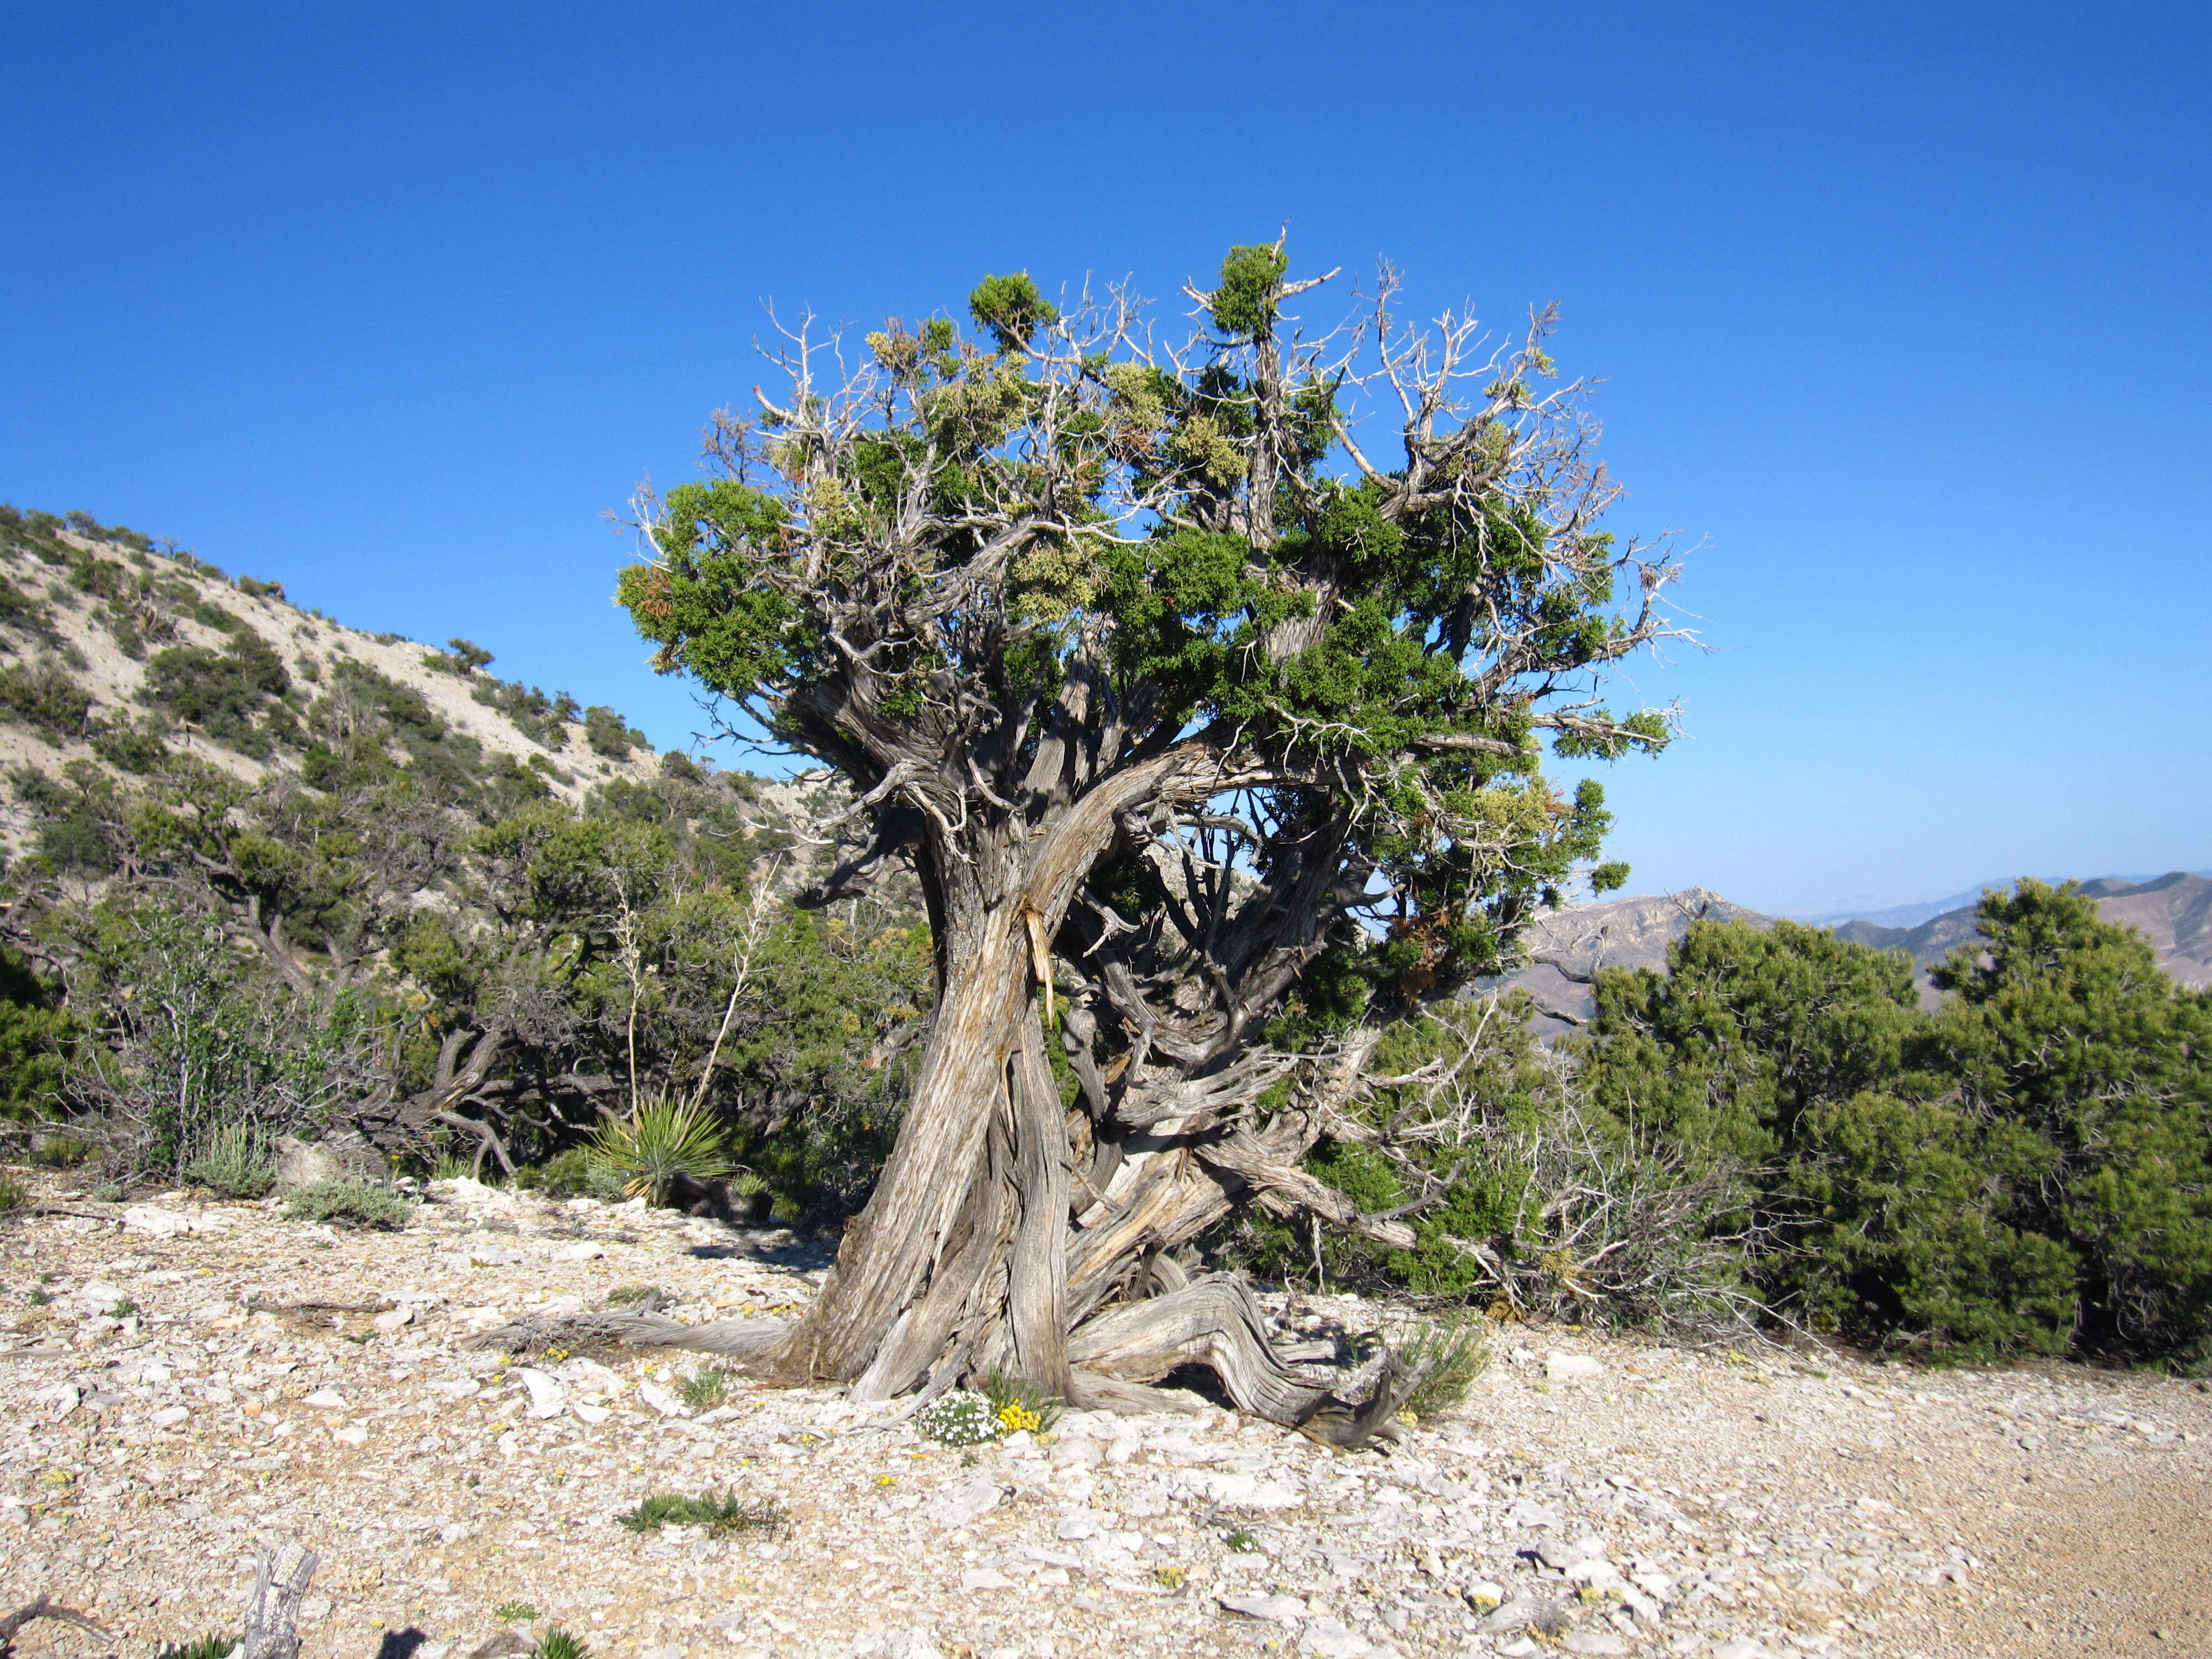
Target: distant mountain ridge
x=1565, y=949
x=1912, y=915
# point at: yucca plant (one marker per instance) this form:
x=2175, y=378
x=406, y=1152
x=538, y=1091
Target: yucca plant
x=660, y=1141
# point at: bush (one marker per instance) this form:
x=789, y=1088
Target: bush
x=959, y=1418
x=13, y=1195
x=237, y=1164
x=45, y=699
x=704, y=1389
x=1447, y=1356
x=2027, y=1170
x=719, y=1515
x=355, y=1203
x=662, y=1140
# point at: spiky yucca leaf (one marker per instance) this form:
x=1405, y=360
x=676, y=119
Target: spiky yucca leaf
x=662, y=1140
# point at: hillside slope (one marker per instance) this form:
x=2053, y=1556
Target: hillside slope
x=109, y=647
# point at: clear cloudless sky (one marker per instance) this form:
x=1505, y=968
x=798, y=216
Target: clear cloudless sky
x=1900, y=308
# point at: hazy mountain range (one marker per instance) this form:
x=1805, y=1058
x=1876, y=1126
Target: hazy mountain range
x=2172, y=912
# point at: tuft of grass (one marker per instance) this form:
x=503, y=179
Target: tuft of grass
x=38, y=1297
x=13, y=1196
x=355, y=1203
x=631, y=1296
x=560, y=1644
x=515, y=1613
x=1241, y=1541
x=1447, y=1355
x=705, y=1389
x=214, y=1645
x=726, y=1513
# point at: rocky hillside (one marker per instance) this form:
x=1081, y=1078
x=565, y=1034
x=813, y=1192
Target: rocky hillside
x=113, y=651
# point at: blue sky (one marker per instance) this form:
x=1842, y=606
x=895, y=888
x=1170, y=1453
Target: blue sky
x=1900, y=310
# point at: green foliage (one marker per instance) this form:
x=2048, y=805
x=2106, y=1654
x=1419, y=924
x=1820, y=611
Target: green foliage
x=959, y=1418
x=560, y=1644
x=704, y=1389
x=2025, y=1170
x=45, y=698
x=515, y=1612
x=1447, y=1355
x=36, y=1038
x=1012, y=309
x=237, y=1163
x=1017, y=1404
x=355, y=1203
x=609, y=735
x=222, y=692
x=658, y=1141
x=718, y=1514
x=1244, y=297
x=216, y=1644
x=13, y=1196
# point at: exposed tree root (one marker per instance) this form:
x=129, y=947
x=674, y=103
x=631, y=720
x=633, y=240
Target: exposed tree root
x=534, y=1333
x=1211, y=1321
x=44, y=1607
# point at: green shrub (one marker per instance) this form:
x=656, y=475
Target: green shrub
x=663, y=1139
x=704, y=1389
x=720, y=1515
x=13, y=1194
x=2027, y=1170
x=355, y=1203
x=959, y=1418
x=515, y=1612
x=237, y=1163
x=1447, y=1355
x=572, y=1174
x=45, y=699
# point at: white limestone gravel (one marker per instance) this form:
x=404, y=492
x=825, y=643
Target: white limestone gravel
x=1592, y=1497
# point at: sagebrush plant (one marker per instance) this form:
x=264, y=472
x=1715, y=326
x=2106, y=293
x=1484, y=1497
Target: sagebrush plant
x=515, y=1612
x=718, y=1513
x=959, y=1418
x=1446, y=1355
x=236, y=1162
x=664, y=1137
x=354, y=1203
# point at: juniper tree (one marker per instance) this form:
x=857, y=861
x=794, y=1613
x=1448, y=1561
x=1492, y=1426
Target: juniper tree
x=1203, y=674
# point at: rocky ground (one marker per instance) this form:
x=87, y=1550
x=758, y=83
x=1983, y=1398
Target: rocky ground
x=179, y=1379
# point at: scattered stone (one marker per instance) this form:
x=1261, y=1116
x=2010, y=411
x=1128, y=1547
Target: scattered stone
x=1278, y=1608
x=329, y=1399
x=1570, y=1368
x=964, y=1504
